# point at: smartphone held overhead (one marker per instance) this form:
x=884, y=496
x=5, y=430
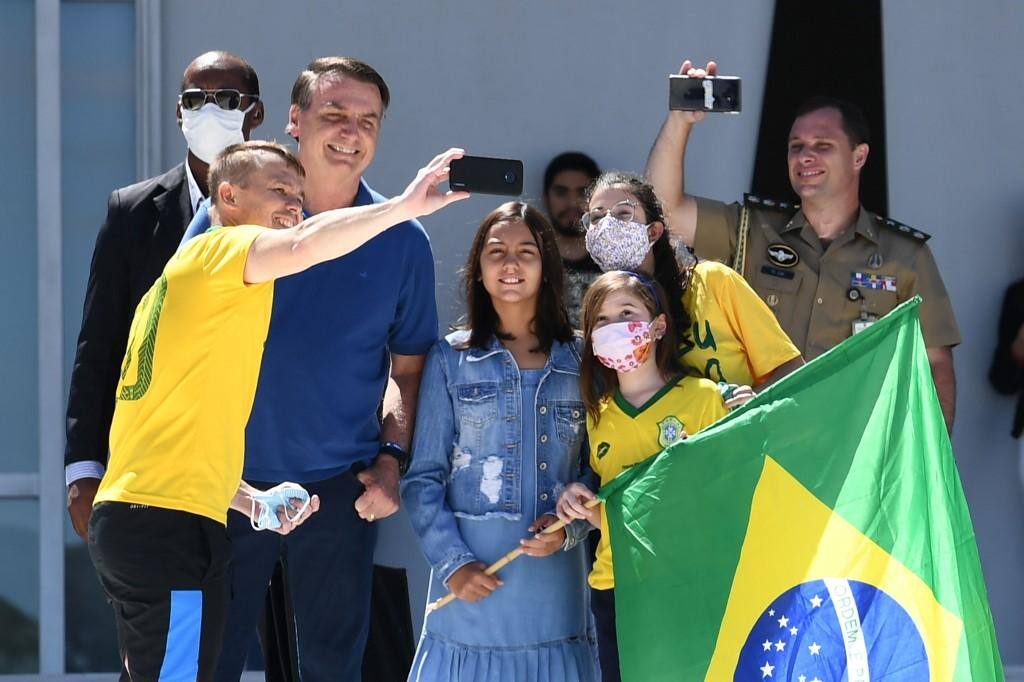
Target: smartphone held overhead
x=484, y=175
x=715, y=94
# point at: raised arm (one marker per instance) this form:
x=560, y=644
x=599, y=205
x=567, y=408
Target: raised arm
x=667, y=160
x=331, y=234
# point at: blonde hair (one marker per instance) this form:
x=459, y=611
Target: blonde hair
x=234, y=164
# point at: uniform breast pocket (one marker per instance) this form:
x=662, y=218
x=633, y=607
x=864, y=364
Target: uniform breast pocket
x=877, y=302
x=779, y=288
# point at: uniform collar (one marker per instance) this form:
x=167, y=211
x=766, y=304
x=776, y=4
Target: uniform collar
x=863, y=226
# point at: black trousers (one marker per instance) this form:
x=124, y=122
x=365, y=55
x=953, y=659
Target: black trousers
x=329, y=571
x=165, y=574
x=602, y=604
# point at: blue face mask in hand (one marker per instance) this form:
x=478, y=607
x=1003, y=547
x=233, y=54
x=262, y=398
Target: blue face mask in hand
x=265, y=504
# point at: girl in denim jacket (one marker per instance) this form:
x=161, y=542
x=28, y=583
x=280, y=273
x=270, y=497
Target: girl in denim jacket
x=500, y=430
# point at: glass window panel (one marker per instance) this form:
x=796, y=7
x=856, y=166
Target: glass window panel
x=97, y=155
x=19, y=586
x=19, y=397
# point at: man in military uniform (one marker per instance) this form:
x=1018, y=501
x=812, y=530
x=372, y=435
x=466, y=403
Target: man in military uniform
x=827, y=268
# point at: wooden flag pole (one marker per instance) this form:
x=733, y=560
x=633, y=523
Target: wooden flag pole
x=507, y=559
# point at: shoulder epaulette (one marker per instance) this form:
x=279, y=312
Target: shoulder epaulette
x=760, y=202
x=905, y=230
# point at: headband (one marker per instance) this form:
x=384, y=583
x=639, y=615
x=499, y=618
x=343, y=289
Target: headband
x=648, y=284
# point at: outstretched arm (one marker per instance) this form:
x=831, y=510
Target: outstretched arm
x=331, y=234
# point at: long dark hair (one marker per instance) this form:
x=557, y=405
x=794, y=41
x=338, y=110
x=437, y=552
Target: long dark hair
x=672, y=278
x=551, y=322
x=598, y=382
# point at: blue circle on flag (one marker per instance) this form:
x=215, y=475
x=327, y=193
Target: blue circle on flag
x=834, y=630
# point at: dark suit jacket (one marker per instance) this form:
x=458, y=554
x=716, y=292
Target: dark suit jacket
x=1005, y=374
x=145, y=223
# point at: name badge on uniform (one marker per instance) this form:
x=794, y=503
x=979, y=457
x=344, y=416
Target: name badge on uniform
x=863, y=322
x=862, y=280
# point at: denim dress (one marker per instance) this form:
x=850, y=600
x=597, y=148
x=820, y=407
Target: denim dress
x=493, y=449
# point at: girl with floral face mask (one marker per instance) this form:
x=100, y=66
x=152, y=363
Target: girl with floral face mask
x=725, y=331
x=638, y=402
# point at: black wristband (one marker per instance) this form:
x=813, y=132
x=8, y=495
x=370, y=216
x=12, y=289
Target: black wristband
x=400, y=455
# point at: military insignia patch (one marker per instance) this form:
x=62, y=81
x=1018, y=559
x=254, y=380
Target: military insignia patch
x=862, y=280
x=670, y=430
x=783, y=255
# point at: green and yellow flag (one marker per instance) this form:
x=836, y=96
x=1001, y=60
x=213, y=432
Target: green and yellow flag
x=818, y=533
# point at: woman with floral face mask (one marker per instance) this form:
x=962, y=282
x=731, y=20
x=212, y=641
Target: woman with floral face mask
x=725, y=332
x=639, y=401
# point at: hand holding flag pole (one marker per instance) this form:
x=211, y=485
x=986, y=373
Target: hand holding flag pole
x=507, y=559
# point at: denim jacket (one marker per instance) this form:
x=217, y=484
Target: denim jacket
x=467, y=454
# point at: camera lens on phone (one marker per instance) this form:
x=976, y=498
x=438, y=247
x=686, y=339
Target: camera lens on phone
x=510, y=177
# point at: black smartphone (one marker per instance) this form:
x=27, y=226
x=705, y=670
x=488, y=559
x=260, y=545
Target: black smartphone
x=719, y=94
x=483, y=175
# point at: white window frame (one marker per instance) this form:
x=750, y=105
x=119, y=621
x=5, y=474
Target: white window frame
x=47, y=485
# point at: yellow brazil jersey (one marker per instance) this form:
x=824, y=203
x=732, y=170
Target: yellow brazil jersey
x=734, y=337
x=626, y=435
x=188, y=380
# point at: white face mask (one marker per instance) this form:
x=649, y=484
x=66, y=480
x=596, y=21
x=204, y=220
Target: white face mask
x=623, y=346
x=618, y=245
x=212, y=129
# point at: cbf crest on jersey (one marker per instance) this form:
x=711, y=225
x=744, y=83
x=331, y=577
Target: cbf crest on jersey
x=670, y=429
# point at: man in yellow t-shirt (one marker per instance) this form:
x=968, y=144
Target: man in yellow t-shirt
x=157, y=534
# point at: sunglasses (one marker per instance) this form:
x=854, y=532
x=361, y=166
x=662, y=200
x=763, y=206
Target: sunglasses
x=227, y=99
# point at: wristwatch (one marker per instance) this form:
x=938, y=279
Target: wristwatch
x=399, y=453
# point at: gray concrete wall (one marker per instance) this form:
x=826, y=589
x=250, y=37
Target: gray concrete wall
x=533, y=78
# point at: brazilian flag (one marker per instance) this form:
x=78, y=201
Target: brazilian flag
x=817, y=534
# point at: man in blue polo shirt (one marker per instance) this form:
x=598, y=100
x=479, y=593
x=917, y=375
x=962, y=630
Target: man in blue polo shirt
x=342, y=335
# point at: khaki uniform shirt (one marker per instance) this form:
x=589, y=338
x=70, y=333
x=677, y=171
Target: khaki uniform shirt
x=818, y=293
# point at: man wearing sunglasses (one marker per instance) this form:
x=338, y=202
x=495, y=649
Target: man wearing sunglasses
x=218, y=106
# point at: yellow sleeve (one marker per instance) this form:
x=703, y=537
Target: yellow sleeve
x=717, y=229
x=753, y=323
x=221, y=254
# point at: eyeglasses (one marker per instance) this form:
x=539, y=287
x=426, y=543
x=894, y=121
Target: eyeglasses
x=227, y=99
x=623, y=211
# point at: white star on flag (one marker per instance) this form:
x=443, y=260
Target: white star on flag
x=766, y=670
x=802, y=678
x=767, y=645
x=771, y=612
x=816, y=679
x=816, y=602
x=793, y=631
x=783, y=622
x=780, y=645
x=814, y=648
